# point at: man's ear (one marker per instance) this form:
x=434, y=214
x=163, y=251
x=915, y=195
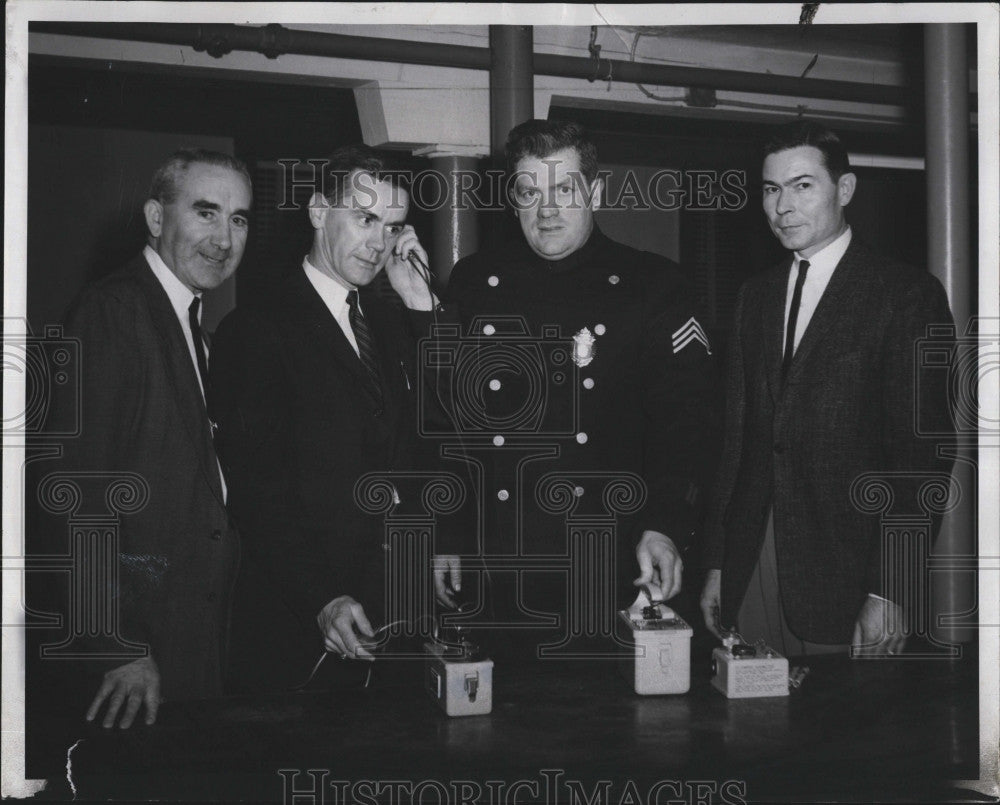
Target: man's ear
x=318, y=207
x=846, y=185
x=153, y=211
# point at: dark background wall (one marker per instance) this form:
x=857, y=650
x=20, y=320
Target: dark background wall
x=97, y=133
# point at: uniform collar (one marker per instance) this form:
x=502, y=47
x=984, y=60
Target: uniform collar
x=581, y=256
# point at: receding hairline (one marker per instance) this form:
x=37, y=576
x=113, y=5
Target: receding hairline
x=376, y=180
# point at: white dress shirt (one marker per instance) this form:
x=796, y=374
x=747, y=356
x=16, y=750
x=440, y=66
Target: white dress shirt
x=334, y=296
x=181, y=298
x=821, y=268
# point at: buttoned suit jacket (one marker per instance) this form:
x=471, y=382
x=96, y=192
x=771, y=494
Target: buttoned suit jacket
x=847, y=407
x=647, y=406
x=142, y=414
x=299, y=426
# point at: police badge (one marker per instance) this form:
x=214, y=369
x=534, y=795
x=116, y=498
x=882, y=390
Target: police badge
x=583, y=348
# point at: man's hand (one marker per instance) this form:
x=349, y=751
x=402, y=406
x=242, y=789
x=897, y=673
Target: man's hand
x=407, y=281
x=447, y=570
x=711, y=601
x=133, y=685
x=340, y=621
x=878, y=631
x=659, y=563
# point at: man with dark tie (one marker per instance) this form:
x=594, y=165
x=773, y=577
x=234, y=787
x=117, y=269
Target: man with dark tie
x=822, y=387
x=144, y=416
x=313, y=390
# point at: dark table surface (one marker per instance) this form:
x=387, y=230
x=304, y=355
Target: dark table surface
x=862, y=730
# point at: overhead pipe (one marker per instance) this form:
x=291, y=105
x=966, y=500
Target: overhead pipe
x=274, y=40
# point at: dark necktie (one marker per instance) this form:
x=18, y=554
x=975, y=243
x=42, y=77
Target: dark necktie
x=199, y=344
x=793, y=318
x=366, y=344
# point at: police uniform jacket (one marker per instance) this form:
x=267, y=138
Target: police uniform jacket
x=532, y=409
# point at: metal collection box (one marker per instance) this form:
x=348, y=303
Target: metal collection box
x=661, y=662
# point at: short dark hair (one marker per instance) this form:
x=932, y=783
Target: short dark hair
x=350, y=158
x=809, y=132
x=542, y=138
x=166, y=181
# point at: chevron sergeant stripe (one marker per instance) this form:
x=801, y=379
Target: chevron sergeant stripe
x=688, y=332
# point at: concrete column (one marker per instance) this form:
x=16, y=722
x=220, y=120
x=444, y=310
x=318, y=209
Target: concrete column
x=455, y=219
x=512, y=101
x=946, y=80
x=511, y=81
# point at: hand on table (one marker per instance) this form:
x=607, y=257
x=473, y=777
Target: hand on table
x=340, y=621
x=133, y=685
x=878, y=630
x=711, y=601
x=447, y=571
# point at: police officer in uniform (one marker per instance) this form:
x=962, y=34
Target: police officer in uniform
x=587, y=360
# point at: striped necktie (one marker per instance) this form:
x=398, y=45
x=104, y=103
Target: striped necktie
x=366, y=344
x=199, y=344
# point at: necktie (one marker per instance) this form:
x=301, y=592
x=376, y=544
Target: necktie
x=793, y=317
x=366, y=344
x=199, y=344
x=199, y=354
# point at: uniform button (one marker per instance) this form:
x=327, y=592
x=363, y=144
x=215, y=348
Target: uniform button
x=581, y=438
x=498, y=441
x=614, y=279
x=779, y=447
x=386, y=546
x=578, y=491
x=494, y=385
x=489, y=329
x=503, y=494
x=216, y=535
x=599, y=329
x=212, y=597
x=493, y=281
x=377, y=412
x=588, y=382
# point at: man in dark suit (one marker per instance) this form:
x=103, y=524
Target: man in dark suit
x=822, y=387
x=143, y=412
x=313, y=391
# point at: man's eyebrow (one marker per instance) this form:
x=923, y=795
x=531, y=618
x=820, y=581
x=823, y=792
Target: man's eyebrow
x=244, y=213
x=203, y=204
x=793, y=180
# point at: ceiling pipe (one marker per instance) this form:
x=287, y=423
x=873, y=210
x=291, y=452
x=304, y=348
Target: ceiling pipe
x=274, y=40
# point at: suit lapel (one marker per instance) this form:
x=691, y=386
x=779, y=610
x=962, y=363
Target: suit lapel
x=843, y=293
x=324, y=329
x=180, y=371
x=773, y=325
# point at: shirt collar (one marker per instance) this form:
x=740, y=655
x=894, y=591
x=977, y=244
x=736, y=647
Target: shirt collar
x=827, y=258
x=179, y=294
x=331, y=291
